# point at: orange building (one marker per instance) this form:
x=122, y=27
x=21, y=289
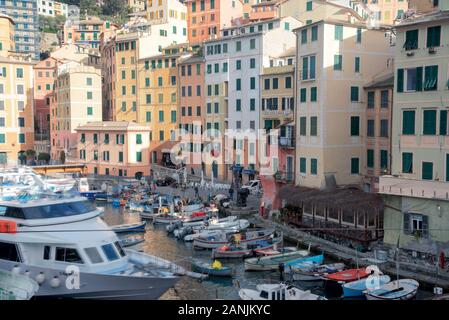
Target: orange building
x=264, y=10
x=205, y=18
x=191, y=108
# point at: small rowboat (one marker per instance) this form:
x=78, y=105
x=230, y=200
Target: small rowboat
x=403, y=289
x=131, y=241
x=316, y=273
x=348, y=275
x=273, y=262
x=236, y=251
x=357, y=288
x=212, y=269
x=130, y=227
x=280, y=291
x=166, y=218
x=246, y=238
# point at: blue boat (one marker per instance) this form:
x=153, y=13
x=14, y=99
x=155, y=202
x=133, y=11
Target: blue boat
x=305, y=262
x=91, y=195
x=116, y=202
x=130, y=227
x=101, y=196
x=357, y=288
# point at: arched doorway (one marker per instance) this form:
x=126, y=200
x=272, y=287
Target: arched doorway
x=138, y=175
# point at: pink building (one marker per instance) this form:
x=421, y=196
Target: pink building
x=115, y=148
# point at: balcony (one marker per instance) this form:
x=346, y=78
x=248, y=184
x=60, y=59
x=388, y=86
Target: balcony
x=287, y=142
x=284, y=177
x=392, y=185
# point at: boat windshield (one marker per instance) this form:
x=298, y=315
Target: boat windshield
x=47, y=211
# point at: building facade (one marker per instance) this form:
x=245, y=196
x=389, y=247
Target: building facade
x=16, y=110
x=207, y=17
x=7, y=44
x=26, y=18
x=335, y=60
x=86, y=32
x=51, y=8
x=113, y=148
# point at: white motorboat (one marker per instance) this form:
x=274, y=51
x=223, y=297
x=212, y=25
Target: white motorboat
x=245, y=238
x=234, y=225
x=279, y=291
x=15, y=286
x=62, y=243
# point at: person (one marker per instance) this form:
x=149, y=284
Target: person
x=231, y=193
x=192, y=171
x=281, y=271
x=197, y=193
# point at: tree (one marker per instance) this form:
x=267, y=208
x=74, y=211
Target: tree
x=90, y=7
x=30, y=153
x=113, y=7
x=43, y=157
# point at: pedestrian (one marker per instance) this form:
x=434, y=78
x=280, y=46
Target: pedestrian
x=281, y=271
x=192, y=171
x=197, y=192
x=231, y=193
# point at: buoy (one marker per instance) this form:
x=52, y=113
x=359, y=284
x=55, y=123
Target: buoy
x=27, y=273
x=16, y=269
x=40, y=278
x=55, y=282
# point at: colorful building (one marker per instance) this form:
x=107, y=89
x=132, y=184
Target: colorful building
x=335, y=60
x=26, y=18
x=263, y=10
x=383, y=11
x=86, y=32
x=78, y=101
x=416, y=196
x=7, y=44
x=114, y=148
x=52, y=8
x=378, y=95
x=191, y=108
x=16, y=109
x=207, y=17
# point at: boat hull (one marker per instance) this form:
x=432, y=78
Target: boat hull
x=207, y=244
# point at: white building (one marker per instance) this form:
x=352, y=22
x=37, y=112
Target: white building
x=235, y=62
x=52, y=8
x=171, y=12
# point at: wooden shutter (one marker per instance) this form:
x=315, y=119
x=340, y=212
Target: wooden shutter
x=425, y=226
x=443, y=122
x=406, y=224
x=400, y=83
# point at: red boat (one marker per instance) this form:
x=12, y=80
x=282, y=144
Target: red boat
x=348, y=275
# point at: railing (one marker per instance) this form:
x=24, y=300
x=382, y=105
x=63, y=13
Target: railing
x=287, y=177
x=287, y=142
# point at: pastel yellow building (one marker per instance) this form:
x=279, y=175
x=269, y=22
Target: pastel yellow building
x=16, y=109
x=385, y=11
x=6, y=35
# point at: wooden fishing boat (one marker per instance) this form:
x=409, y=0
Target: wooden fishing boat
x=215, y=269
x=316, y=273
x=403, y=289
x=166, y=218
x=347, y=275
x=130, y=227
x=279, y=291
x=273, y=262
x=249, y=237
x=358, y=287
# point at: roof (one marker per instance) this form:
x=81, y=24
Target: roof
x=333, y=4
x=383, y=81
x=355, y=24
x=191, y=59
x=278, y=70
x=424, y=18
x=2, y=15
x=290, y=52
x=113, y=125
x=340, y=198
x=92, y=20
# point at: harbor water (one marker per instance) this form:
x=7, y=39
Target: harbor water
x=159, y=243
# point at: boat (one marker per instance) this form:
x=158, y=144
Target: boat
x=58, y=240
x=131, y=241
x=304, y=263
x=347, y=275
x=279, y=291
x=130, y=227
x=231, y=225
x=273, y=262
x=101, y=196
x=357, y=288
x=316, y=273
x=15, y=286
x=222, y=238
x=237, y=251
x=166, y=218
x=402, y=289
x=215, y=269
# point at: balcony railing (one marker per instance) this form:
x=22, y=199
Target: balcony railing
x=287, y=142
x=286, y=177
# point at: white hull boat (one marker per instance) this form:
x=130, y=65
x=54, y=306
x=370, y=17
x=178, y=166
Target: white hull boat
x=403, y=289
x=266, y=292
x=221, y=239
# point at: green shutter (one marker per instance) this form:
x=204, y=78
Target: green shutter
x=354, y=165
x=302, y=165
x=433, y=36
x=303, y=94
x=447, y=166
x=443, y=122
x=302, y=126
x=383, y=159
x=313, y=126
x=370, y=158
x=338, y=32
x=313, y=94
x=357, y=64
x=355, y=126
x=431, y=78
x=430, y=122
x=427, y=170
x=312, y=67
x=407, y=162
x=305, y=67
x=314, y=33
x=354, y=94
x=408, y=122
x=338, y=62
x=313, y=166
x=400, y=81
x=419, y=79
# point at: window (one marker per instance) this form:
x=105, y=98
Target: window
x=407, y=162
x=303, y=95
x=431, y=78
x=238, y=105
x=252, y=104
x=303, y=36
x=252, y=63
x=433, y=36
x=109, y=252
x=370, y=128
x=427, y=171
x=19, y=73
x=429, y=122
x=383, y=159
x=120, y=156
x=355, y=168
x=138, y=138
x=9, y=251
x=252, y=44
x=443, y=122
x=94, y=255
x=139, y=156
x=21, y=137
x=384, y=99
x=370, y=158
x=308, y=67
x=161, y=116
x=313, y=166
x=355, y=126
x=238, y=84
x=371, y=96
x=302, y=165
x=338, y=32
x=338, y=62
x=275, y=83
x=314, y=33
x=359, y=35
x=288, y=82
x=173, y=115
x=313, y=126
x=384, y=128
x=309, y=5
x=411, y=40
x=302, y=126
x=238, y=64
x=252, y=84
x=70, y=255
x=238, y=46
x=354, y=94
x=408, y=122
x=357, y=64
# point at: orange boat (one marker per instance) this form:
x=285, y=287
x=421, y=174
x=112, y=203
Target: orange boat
x=348, y=275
